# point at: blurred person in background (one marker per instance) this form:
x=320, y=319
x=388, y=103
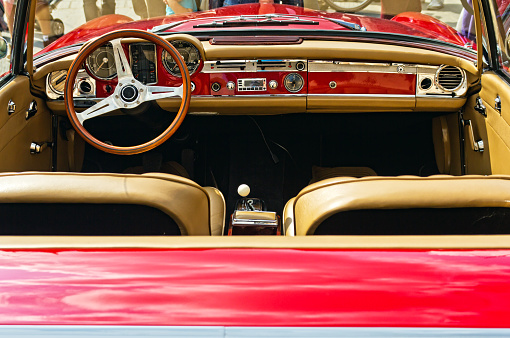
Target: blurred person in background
x=390, y=8
x=149, y=8
x=92, y=11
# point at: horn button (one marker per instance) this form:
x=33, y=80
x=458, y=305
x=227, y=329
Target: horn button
x=129, y=93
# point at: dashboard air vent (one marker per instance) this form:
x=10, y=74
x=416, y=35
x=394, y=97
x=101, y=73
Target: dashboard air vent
x=449, y=78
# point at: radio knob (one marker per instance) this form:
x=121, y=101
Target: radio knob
x=273, y=84
x=231, y=85
x=215, y=87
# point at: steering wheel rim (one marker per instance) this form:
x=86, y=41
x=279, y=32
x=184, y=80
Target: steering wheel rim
x=127, y=79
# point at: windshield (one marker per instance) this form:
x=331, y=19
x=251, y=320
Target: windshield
x=442, y=20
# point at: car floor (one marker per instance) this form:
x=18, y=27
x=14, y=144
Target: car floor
x=274, y=155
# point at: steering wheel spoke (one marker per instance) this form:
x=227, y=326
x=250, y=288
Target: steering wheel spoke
x=159, y=92
x=103, y=107
x=121, y=62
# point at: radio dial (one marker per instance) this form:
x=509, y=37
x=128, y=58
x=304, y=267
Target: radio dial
x=273, y=84
x=231, y=85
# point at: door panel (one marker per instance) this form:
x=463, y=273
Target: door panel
x=17, y=133
x=497, y=123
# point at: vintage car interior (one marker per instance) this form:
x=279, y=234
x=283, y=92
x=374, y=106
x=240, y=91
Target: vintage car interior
x=261, y=134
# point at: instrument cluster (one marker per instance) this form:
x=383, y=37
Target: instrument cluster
x=143, y=61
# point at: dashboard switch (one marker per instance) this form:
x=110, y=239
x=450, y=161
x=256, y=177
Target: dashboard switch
x=215, y=87
x=231, y=85
x=273, y=84
x=300, y=66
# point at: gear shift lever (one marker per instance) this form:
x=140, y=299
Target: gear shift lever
x=243, y=190
x=248, y=204
x=251, y=218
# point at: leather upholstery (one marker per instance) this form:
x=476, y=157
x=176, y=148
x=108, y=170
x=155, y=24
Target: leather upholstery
x=196, y=210
x=318, y=201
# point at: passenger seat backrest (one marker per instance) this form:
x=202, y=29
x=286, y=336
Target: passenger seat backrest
x=195, y=210
x=319, y=201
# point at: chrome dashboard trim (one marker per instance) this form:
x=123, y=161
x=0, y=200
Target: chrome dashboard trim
x=244, y=66
x=315, y=66
x=431, y=73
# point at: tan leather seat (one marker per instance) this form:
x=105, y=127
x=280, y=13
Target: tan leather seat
x=319, y=201
x=195, y=210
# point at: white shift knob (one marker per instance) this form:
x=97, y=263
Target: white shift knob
x=243, y=190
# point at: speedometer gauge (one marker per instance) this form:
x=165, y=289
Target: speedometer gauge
x=189, y=53
x=101, y=63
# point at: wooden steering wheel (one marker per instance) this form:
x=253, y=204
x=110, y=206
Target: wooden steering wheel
x=129, y=92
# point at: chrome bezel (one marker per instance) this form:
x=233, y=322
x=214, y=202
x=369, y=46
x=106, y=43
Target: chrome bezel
x=436, y=81
x=295, y=90
x=155, y=59
x=167, y=68
x=91, y=72
x=432, y=82
x=54, y=94
x=50, y=86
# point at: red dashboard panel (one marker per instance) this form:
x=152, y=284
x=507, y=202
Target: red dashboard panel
x=361, y=83
x=315, y=83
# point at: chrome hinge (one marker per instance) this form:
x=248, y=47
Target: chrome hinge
x=479, y=107
x=11, y=107
x=32, y=110
x=497, y=104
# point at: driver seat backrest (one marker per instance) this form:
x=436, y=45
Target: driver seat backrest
x=408, y=196
x=180, y=202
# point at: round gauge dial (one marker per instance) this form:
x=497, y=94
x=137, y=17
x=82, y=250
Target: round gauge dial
x=293, y=82
x=57, y=81
x=189, y=53
x=101, y=63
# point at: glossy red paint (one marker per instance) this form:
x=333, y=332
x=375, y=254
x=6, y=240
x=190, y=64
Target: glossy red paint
x=256, y=287
x=362, y=83
x=400, y=25
x=433, y=26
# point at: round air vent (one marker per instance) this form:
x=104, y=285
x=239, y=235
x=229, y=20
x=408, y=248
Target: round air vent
x=449, y=78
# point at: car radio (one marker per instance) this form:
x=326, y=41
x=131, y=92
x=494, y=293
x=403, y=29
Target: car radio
x=251, y=84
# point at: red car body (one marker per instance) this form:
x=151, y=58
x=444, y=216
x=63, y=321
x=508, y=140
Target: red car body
x=256, y=287
x=415, y=24
x=268, y=287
